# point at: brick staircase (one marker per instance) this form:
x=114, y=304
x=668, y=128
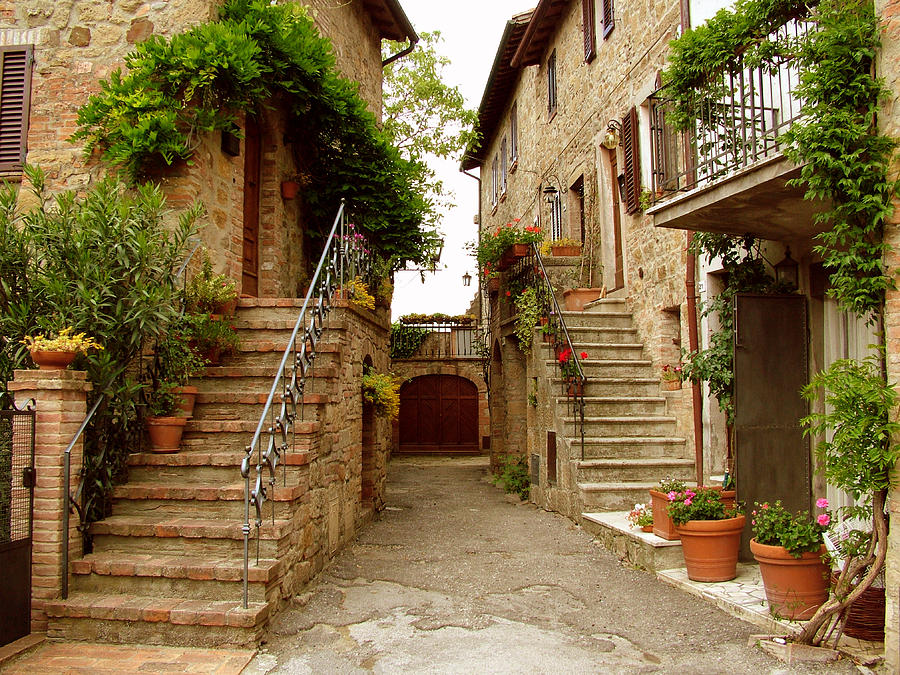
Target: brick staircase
x=630, y=441
x=167, y=565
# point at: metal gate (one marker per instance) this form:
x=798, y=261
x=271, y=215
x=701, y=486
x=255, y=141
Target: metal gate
x=16, y=508
x=770, y=367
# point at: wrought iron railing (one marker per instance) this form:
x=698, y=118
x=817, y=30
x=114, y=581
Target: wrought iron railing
x=530, y=271
x=435, y=340
x=742, y=127
x=346, y=255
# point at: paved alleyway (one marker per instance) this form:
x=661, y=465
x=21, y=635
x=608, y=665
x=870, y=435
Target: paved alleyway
x=456, y=577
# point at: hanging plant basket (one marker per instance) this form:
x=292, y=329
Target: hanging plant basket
x=289, y=189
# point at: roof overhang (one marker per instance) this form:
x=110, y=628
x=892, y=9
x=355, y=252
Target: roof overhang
x=390, y=20
x=540, y=30
x=499, y=86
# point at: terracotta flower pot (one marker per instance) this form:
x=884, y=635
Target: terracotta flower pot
x=564, y=250
x=646, y=528
x=577, y=298
x=187, y=397
x=711, y=547
x=493, y=285
x=662, y=523
x=52, y=360
x=671, y=385
x=165, y=433
x=795, y=587
x=227, y=308
x=289, y=189
x=574, y=388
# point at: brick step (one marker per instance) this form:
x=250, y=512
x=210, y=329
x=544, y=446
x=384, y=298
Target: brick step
x=633, y=425
x=632, y=447
x=119, y=618
x=230, y=435
x=617, y=368
x=619, y=406
x=255, y=354
x=258, y=380
x=241, y=406
x=610, y=319
x=604, y=305
x=285, y=309
x=615, y=386
x=601, y=333
x=205, y=468
x=168, y=496
x=206, y=578
x=614, y=496
x=185, y=536
x=616, y=351
x=633, y=470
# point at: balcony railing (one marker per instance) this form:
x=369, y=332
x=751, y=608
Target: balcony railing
x=436, y=341
x=740, y=128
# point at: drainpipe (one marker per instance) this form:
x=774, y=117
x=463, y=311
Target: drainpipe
x=413, y=41
x=690, y=286
x=477, y=268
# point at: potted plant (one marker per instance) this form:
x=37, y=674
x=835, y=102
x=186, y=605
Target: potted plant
x=176, y=363
x=356, y=291
x=211, y=293
x=789, y=549
x=502, y=246
x=710, y=533
x=57, y=353
x=561, y=247
x=210, y=338
x=528, y=311
x=659, y=502
x=671, y=377
x=568, y=366
x=382, y=390
x=641, y=516
x=290, y=187
x=164, y=426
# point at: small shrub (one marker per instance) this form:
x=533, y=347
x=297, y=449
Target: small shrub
x=514, y=476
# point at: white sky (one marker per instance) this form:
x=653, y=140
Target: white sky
x=471, y=30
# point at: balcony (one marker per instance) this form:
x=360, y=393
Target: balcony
x=436, y=341
x=730, y=175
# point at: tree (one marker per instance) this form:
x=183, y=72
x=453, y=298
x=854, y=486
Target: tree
x=423, y=115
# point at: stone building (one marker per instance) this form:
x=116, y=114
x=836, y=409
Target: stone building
x=172, y=546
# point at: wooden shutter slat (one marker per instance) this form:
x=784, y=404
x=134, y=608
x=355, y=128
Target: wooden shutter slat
x=609, y=18
x=14, y=94
x=590, y=29
x=632, y=168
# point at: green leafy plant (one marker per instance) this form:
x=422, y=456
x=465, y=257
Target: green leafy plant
x=773, y=525
x=672, y=373
x=513, y=476
x=640, y=516
x=568, y=363
x=494, y=244
x=162, y=399
x=382, y=390
x=65, y=341
x=529, y=308
x=700, y=504
x=175, y=361
x=358, y=293
x=406, y=340
x=208, y=336
x=669, y=484
x=207, y=291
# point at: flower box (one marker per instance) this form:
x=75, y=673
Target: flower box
x=565, y=250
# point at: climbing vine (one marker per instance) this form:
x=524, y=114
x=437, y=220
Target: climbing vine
x=258, y=53
x=844, y=158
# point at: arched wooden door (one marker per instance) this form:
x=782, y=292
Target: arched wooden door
x=439, y=414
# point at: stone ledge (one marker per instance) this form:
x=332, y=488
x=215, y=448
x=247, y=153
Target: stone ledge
x=641, y=549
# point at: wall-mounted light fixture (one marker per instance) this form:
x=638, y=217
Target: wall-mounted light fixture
x=550, y=193
x=467, y=279
x=613, y=134
x=788, y=270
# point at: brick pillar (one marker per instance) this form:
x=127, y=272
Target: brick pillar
x=60, y=404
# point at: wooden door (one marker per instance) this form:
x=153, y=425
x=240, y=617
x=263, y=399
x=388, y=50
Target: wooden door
x=439, y=414
x=250, y=264
x=619, y=278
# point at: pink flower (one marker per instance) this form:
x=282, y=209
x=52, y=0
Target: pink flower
x=672, y=496
x=766, y=505
x=822, y=503
x=823, y=519
x=688, y=501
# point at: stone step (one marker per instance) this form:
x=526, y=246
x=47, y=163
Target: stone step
x=611, y=319
x=194, y=467
x=169, y=497
x=614, y=495
x=268, y=354
x=258, y=380
x=619, y=406
x=633, y=469
x=230, y=435
x=120, y=618
x=604, y=305
x=643, y=550
x=147, y=574
x=186, y=536
x=610, y=368
x=583, y=334
x=227, y=405
x=612, y=447
x=634, y=425
x=615, y=351
x=615, y=386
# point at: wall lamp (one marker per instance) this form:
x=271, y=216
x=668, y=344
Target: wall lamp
x=613, y=134
x=467, y=279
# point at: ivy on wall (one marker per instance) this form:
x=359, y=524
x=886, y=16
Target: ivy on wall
x=259, y=54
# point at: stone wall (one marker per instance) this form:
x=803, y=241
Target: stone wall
x=77, y=43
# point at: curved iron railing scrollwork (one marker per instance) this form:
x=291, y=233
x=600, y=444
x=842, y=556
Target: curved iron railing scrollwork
x=530, y=271
x=346, y=255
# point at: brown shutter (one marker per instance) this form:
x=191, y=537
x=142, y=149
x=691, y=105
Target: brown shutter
x=609, y=18
x=15, y=88
x=590, y=30
x=632, y=155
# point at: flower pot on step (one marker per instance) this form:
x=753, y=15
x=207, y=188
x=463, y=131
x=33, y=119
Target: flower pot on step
x=52, y=360
x=165, y=433
x=187, y=397
x=671, y=385
x=564, y=250
x=662, y=523
x=795, y=587
x=576, y=298
x=711, y=547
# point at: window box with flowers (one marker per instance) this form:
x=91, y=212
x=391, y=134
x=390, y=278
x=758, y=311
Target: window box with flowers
x=561, y=247
x=671, y=377
x=508, y=242
x=789, y=549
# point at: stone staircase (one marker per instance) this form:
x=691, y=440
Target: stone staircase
x=630, y=439
x=167, y=565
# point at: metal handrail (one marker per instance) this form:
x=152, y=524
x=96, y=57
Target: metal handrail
x=67, y=463
x=345, y=256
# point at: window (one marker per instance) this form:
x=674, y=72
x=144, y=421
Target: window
x=514, y=134
x=15, y=90
x=551, y=84
x=590, y=30
x=609, y=18
x=556, y=217
x=495, y=181
x=632, y=154
x=576, y=209
x=504, y=165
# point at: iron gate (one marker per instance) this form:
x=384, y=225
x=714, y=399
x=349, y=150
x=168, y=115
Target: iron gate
x=16, y=508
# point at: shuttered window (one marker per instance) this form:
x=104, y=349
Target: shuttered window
x=504, y=166
x=609, y=18
x=495, y=181
x=632, y=154
x=551, y=83
x=514, y=134
x=590, y=30
x=15, y=89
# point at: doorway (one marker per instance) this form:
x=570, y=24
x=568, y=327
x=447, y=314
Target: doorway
x=250, y=256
